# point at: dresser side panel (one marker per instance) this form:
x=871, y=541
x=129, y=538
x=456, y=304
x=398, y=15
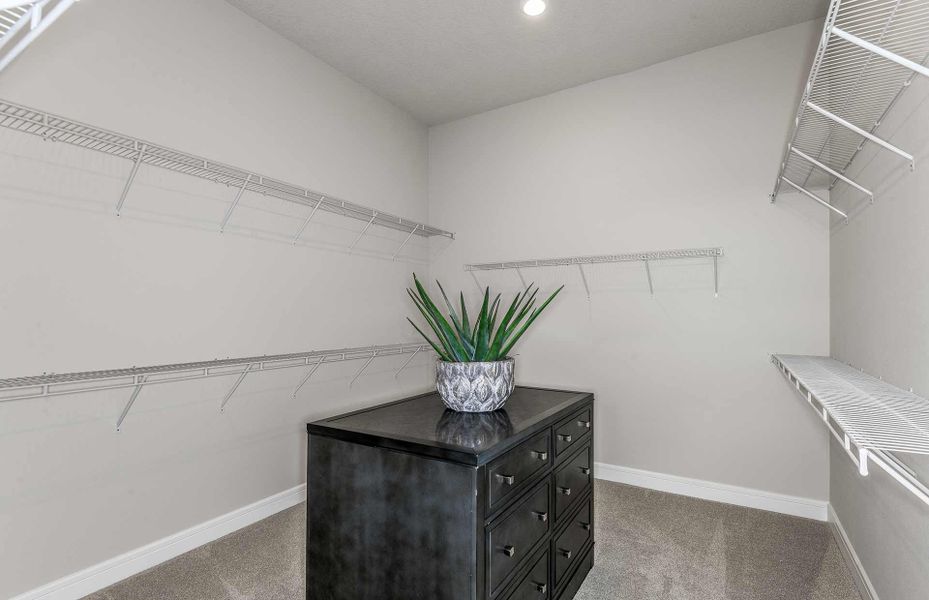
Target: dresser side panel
x=388, y=524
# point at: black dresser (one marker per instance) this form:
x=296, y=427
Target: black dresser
x=410, y=501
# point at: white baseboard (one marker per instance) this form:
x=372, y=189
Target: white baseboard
x=95, y=578
x=865, y=587
x=717, y=492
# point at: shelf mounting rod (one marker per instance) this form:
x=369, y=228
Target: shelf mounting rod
x=235, y=386
x=407, y=361
x=308, y=375
x=408, y=238
x=238, y=196
x=362, y=369
x=832, y=172
x=132, y=174
x=865, y=134
x=363, y=232
x=135, y=394
x=813, y=196
x=580, y=268
x=308, y=219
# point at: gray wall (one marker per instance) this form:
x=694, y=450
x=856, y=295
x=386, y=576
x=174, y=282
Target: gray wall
x=83, y=289
x=880, y=323
x=680, y=154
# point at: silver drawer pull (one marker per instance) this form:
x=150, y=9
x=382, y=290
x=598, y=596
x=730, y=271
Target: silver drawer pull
x=565, y=437
x=585, y=526
x=565, y=491
x=585, y=470
x=584, y=424
x=542, y=516
x=509, y=550
x=540, y=455
x=507, y=479
x=565, y=553
x=541, y=587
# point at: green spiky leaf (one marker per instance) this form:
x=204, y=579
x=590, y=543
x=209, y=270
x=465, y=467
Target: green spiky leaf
x=458, y=339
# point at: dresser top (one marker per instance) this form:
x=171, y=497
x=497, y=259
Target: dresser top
x=422, y=425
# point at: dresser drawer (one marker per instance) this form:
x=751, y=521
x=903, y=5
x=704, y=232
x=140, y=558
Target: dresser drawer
x=568, y=545
x=572, y=430
x=572, y=479
x=573, y=584
x=509, y=473
x=534, y=585
x=512, y=539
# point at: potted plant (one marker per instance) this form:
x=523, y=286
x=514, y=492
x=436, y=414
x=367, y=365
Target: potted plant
x=474, y=372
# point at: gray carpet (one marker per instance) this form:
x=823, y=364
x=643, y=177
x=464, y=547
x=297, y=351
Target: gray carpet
x=650, y=546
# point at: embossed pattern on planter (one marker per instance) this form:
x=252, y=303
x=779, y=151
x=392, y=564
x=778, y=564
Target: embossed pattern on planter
x=475, y=386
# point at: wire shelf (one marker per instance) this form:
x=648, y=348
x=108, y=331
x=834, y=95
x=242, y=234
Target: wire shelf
x=863, y=413
x=579, y=261
x=44, y=386
x=869, y=52
x=600, y=259
x=9, y=17
x=61, y=129
x=21, y=22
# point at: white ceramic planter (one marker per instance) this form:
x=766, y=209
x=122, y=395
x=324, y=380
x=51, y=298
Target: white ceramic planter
x=475, y=386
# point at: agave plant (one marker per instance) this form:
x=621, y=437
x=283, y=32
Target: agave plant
x=485, y=340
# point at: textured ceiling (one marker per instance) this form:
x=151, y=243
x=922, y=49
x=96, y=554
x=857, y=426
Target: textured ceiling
x=445, y=59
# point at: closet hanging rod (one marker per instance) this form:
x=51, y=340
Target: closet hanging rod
x=868, y=54
x=43, y=386
x=143, y=153
x=870, y=418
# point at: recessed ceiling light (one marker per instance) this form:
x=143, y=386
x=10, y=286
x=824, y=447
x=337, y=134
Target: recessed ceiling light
x=534, y=8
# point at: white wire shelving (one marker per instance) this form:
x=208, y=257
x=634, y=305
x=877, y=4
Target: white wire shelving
x=44, y=386
x=646, y=258
x=870, y=418
x=869, y=53
x=140, y=152
x=21, y=22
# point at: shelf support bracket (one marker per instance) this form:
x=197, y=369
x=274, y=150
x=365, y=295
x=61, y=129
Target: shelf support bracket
x=476, y=282
x=580, y=268
x=363, y=232
x=235, y=386
x=407, y=361
x=408, y=238
x=308, y=375
x=648, y=273
x=903, y=475
x=132, y=174
x=863, y=461
x=813, y=196
x=521, y=279
x=135, y=394
x=832, y=172
x=865, y=134
x=235, y=203
x=308, y=219
x=716, y=276
x=362, y=369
